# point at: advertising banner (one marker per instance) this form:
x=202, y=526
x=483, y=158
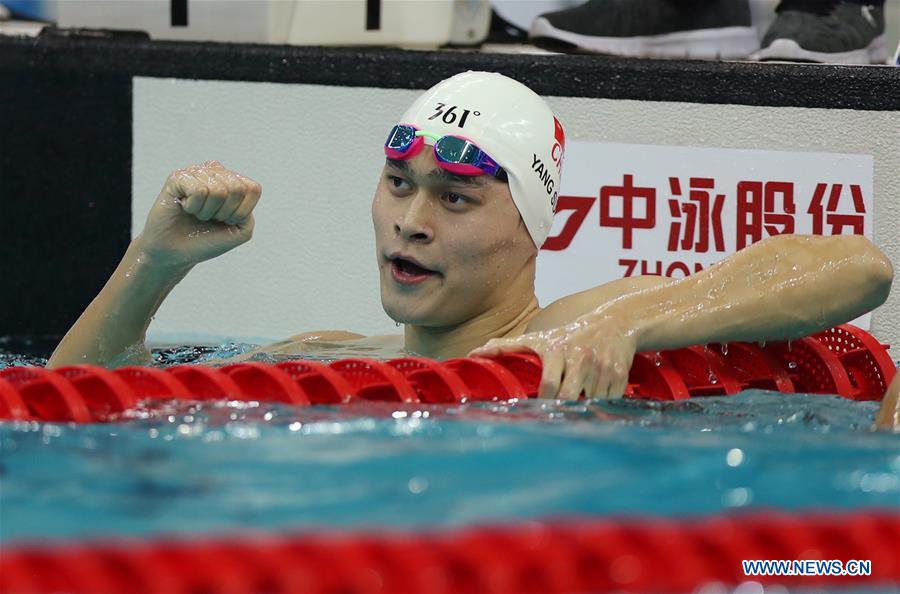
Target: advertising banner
x=628, y=210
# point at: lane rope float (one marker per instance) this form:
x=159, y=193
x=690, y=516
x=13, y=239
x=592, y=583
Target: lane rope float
x=844, y=360
x=568, y=556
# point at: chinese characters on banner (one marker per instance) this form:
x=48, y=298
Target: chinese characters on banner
x=627, y=210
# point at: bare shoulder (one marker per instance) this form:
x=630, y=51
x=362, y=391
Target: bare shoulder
x=337, y=342
x=342, y=336
x=325, y=343
x=316, y=335
x=307, y=342
x=568, y=308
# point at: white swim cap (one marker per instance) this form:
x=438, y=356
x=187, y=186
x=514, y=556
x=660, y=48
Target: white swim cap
x=513, y=125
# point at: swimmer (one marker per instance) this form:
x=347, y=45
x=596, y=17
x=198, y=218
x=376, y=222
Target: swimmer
x=458, y=225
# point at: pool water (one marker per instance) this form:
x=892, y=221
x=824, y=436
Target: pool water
x=232, y=467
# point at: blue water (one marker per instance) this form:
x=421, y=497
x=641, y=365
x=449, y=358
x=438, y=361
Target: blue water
x=236, y=467
x=230, y=467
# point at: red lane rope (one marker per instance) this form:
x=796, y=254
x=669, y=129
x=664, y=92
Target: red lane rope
x=638, y=555
x=844, y=360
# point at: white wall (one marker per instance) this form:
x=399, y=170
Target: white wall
x=316, y=151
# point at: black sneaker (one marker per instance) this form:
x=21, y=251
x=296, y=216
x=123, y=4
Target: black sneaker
x=653, y=28
x=833, y=31
x=503, y=31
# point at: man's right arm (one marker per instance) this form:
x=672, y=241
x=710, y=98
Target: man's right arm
x=200, y=213
x=111, y=330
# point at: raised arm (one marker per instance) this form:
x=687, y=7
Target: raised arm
x=784, y=287
x=200, y=213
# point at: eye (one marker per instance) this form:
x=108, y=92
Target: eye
x=455, y=199
x=397, y=182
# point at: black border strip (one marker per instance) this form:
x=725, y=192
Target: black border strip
x=873, y=88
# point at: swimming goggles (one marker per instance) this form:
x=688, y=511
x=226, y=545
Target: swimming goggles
x=456, y=154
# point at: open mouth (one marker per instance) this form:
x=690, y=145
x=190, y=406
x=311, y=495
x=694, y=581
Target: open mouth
x=408, y=272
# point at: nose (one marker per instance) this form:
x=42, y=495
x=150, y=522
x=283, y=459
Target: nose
x=414, y=222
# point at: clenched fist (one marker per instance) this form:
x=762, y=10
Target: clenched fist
x=201, y=212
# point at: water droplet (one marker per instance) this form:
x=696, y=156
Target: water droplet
x=417, y=485
x=762, y=344
x=725, y=349
x=397, y=324
x=712, y=378
x=789, y=346
x=658, y=360
x=792, y=365
x=737, y=497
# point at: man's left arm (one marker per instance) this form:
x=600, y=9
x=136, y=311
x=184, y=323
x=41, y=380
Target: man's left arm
x=784, y=287
x=788, y=286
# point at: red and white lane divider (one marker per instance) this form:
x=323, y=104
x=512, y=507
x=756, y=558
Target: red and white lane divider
x=844, y=360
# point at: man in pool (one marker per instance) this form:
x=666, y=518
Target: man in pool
x=460, y=211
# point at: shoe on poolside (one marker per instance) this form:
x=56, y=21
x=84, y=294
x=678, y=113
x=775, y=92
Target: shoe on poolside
x=653, y=28
x=831, y=31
